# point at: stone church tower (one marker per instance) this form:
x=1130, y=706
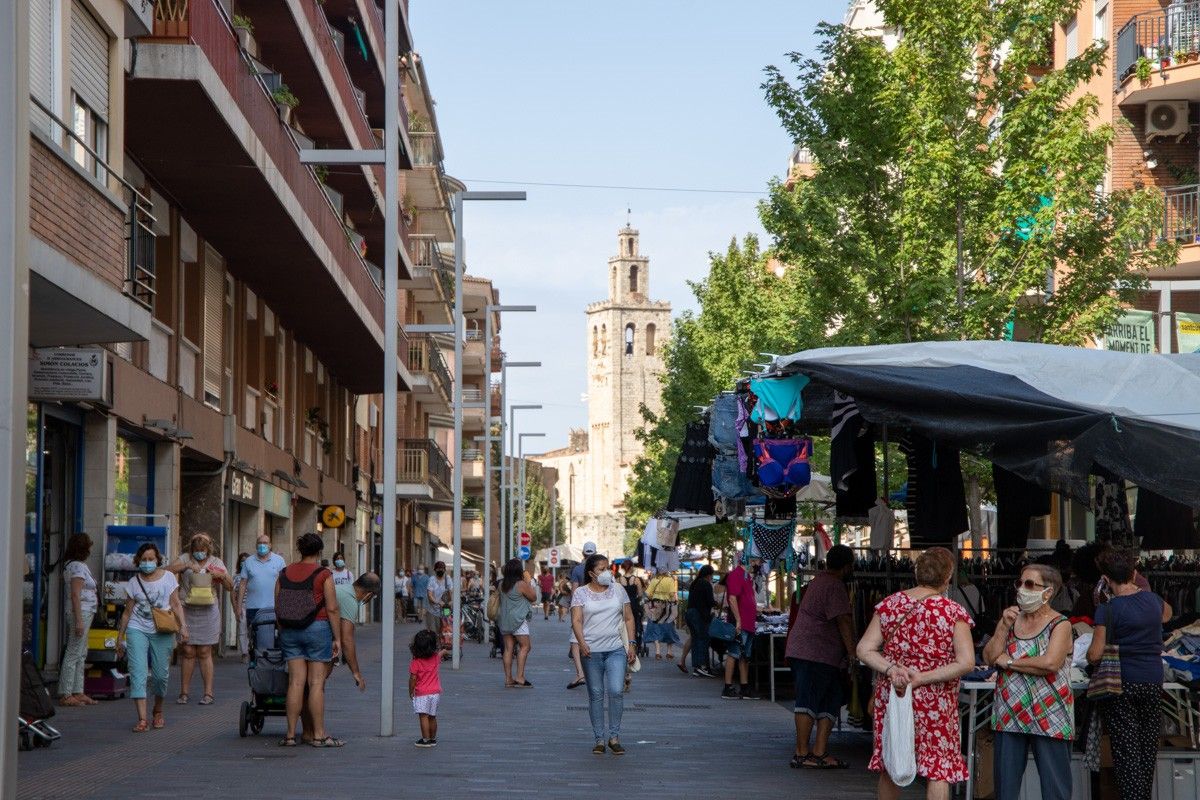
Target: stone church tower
x=625, y=334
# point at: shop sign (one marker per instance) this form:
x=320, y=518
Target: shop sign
x=333, y=516
x=1133, y=332
x=243, y=489
x=70, y=374
x=275, y=501
x=1187, y=332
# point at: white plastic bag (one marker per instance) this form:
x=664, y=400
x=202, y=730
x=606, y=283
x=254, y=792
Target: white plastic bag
x=899, y=738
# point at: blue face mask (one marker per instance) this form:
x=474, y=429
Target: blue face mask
x=148, y=566
x=339, y=564
x=200, y=555
x=264, y=549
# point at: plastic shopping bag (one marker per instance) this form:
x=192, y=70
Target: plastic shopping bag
x=899, y=739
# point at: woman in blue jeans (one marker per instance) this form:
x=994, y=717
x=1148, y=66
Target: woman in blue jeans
x=598, y=610
x=699, y=616
x=138, y=639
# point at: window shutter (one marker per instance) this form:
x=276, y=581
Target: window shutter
x=89, y=60
x=214, y=315
x=41, y=58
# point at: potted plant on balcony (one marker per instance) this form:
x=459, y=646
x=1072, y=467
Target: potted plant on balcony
x=419, y=123
x=1143, y=69
x=408, y=209
x=1180, y=57
x=285, y=101
x=244, y=28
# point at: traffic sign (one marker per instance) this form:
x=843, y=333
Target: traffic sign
x=553, y=561
x=524, y=541
x=523, y=552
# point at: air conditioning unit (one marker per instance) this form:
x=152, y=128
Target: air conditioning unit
x=1167, y=118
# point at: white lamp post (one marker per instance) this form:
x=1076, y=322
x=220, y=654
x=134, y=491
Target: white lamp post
x=521, y=454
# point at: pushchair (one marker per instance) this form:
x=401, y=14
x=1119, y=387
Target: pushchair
x=36, y=707
x=267, y=673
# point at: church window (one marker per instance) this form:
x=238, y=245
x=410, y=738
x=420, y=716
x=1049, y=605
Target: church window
x=629, y=338
x=650, y=332
x=595, y=341
x=603, y=340
x=633, y=286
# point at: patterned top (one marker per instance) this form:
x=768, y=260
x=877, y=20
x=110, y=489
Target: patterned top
x=1042, y=705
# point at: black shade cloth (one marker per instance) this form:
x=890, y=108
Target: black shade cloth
x=1163, y=524
x=1017, y=501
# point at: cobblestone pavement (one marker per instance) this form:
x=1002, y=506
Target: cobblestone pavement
x=683, y=741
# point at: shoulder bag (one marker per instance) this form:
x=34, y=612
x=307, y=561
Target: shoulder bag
x=164, y=619
x=720, y=628
x=1105, y=682
x=916, y=605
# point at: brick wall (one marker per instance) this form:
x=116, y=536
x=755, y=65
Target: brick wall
x=74, y=217
x=1129, y=146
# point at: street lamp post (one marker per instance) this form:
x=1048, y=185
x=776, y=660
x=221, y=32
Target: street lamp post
x=489, y=310
x=507, y=503
x=457, y=477
x=521, y=455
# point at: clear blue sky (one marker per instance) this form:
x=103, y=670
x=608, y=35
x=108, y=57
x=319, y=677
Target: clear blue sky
x=647, y=93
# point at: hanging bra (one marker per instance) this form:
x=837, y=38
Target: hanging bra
x=783, y=461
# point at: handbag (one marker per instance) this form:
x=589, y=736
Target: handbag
x=899, y=745
x=891, y=636
x=1105, y=682
x=721, y=629
x=493, y=606
x=164, y=619
x=200, y=590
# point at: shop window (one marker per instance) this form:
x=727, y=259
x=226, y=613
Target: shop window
x=629, y=339
x=651, y=331
x=133, y=472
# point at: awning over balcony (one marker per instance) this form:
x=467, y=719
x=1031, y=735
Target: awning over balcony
x=208, y=137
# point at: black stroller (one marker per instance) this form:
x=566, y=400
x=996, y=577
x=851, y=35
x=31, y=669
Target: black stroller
x=36, y=707
x=267, y=672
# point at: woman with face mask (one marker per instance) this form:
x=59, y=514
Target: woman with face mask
x=342, y=576
x=1033, y=706
x=138, y=639
x=201, y=576
x=517, y=596
x=599, y=611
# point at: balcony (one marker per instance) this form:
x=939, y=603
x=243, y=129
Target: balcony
x=472, y=524
x=473, y=412
x=1181, y=224
x=473, y=468
x=423, y=472
x=427, y=188
x=207, y=127
x=432, y=383
x=432, y=285
x=1169, y=41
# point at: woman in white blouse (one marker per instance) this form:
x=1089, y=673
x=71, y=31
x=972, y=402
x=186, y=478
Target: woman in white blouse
x=81, y=608
x=599, y=610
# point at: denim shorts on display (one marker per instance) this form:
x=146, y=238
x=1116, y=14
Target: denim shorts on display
x=314, y=643
x=818, y=689
x=426, y=704
x=741, y=646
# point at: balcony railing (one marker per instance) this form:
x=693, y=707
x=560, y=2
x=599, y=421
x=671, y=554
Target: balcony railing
x=472, y=514
x=472, y=454
x=422, y=461
x=140, y=267
x=1181, y=214
x=425, y=357
x=426, y=152
x=427, y=256
x=1156, y=35
x=473, y=335
x=472, y=394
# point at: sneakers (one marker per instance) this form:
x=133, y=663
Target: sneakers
x=615, y=746
x=746, y=694
x=598, y=750
x=730, y=693
x=426, y=742
x=701, y=672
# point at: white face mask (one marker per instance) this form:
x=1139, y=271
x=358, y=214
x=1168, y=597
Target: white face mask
x=1030, y=600
x=604, y=578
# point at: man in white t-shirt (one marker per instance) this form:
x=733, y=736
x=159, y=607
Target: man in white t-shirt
x=403, y=593
x=436, y=594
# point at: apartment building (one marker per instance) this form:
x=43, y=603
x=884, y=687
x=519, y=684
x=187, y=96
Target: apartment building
x=206, y=321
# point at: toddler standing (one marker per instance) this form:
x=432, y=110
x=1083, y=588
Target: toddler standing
x=424, y=686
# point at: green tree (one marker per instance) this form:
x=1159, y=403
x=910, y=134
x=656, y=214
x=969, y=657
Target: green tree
x=952, y=192
x=537, y=515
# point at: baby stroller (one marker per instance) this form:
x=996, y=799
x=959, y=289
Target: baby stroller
x=267, y=672
x=36, y=707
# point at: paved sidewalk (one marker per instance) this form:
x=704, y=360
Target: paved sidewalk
x=683, y=741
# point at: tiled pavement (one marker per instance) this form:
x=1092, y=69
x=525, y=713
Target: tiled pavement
x=683, y=741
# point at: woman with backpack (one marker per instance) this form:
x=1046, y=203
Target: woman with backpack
x=306, y=611
x=201, y=575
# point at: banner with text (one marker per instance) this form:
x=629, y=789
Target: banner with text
x=1133, y=332
x=1187, y=332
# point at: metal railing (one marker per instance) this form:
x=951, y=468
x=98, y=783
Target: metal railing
x=426, y=254
x=1155, y=35
x=140, y=266
x=422, y=461
x=472, y=514
x=425, y=150
x=1181, y=214
x=472, y=454
x=473, y=335
x=425, y=357
x=472, y=394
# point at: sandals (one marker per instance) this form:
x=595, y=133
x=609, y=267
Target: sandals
x=328, y=741
x=182, y=700
x=159, y=723
x=287, y=741
x=69, y=701
x=814, y=761
x=575, y=684
x=830, y=762
x=141, y=727
x=207, y=700
x=682, y=668
x=523, y=685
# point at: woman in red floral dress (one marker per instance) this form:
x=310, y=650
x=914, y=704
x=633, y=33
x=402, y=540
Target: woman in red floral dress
x=920, y=641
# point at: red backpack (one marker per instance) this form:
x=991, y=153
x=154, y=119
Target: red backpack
x=295, y=605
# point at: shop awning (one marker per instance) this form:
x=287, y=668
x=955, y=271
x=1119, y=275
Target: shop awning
x=1048, y=413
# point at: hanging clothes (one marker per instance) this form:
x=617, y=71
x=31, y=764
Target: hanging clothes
x=936, y=500
x=851, y=459
x=772, y=541
x=1111, y=508
x=1017, y=501
x=778, y=398
x=1163, y=524
x=883, y=525
x=668, y=532
x=723, y=424
x=691, y=490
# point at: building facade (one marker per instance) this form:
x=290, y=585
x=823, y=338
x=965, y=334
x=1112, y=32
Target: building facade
x=625, y=333
x=206, y=313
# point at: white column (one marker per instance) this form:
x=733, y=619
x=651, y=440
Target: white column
x=457, y=475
